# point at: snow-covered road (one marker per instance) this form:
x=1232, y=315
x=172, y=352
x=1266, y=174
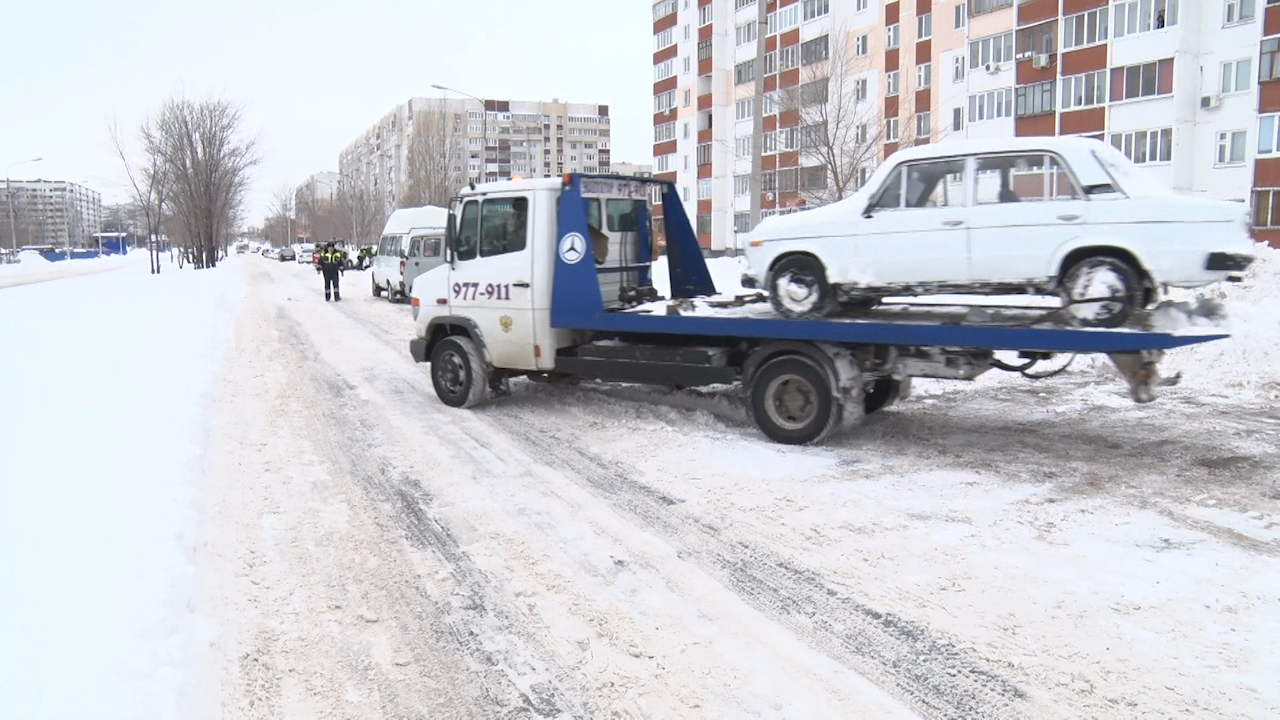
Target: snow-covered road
x=1002, y=549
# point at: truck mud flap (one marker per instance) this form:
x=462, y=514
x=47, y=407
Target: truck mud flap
x=418, y=349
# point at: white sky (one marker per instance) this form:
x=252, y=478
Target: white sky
x=311, y=75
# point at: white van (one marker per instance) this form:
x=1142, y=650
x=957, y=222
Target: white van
x=412, y=243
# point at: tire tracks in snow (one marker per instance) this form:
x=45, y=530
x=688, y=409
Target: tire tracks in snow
x=478, y=623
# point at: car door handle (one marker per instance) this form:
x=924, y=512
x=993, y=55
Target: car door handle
x=520, y=283
x=952, y=223
x=1069, y=217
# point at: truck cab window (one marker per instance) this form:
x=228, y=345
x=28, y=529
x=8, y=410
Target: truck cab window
x=469, y=230
x=503, y=225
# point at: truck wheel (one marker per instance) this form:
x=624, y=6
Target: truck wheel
x=798, y=287
x=458, y=372
x=792, y=401
x=1101, y=276
x=377, y=291
x=882, y=393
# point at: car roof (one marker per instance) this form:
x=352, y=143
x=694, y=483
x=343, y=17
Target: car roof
x=970, y=146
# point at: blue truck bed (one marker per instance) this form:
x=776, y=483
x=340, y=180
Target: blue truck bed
x=577, y=302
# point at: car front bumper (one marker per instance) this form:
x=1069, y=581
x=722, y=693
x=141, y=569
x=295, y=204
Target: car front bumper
x=1227, y=262
x=418, y=349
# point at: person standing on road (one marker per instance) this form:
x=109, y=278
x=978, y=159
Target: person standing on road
x=331, y=266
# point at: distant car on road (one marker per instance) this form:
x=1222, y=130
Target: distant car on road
x=287, y=254
x=1060, y=216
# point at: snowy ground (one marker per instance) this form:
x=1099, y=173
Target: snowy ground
x=33, y=268
x=995, y=549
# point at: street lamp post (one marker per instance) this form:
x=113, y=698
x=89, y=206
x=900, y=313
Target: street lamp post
x=8, y=191
x=484, y=130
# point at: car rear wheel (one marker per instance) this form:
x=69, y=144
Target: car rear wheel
x=1101, y=291
x=798, y=288
x=377, y=291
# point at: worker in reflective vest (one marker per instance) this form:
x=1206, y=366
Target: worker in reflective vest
x=331, y=266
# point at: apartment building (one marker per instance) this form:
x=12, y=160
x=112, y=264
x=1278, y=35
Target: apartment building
x=50, y=212
x=1171, y=83
x=505, y=139
x=630, y=169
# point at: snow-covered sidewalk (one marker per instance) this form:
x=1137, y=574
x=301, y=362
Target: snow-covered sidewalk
x=102, y=380
x=33, y=268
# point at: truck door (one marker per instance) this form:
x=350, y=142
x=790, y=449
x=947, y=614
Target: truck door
x=491, y=281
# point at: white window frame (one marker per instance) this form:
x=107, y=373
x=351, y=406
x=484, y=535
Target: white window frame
x=1075, y=28
x=860, y=46
x=705, y=15
x=891, y=130
x=664, y=132
x=1077, y=93
x=664, y=39
x=924, y=75
x=892, y=83
x=959, y=68
x=893, y=36
x=1129, y=143
x=1126, y=18
x=924, y=26
x=1226, y=143
x=924, y=124
x=1233, y=12
x=744, y=109
x=1269, y=134
x=961, y=15
x=1234, y=77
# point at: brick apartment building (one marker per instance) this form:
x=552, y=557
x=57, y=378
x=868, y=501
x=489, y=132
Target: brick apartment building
x=1177, y=85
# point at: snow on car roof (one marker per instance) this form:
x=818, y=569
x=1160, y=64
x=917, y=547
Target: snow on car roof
x=968, y=146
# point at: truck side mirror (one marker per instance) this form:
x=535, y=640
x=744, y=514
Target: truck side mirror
x=451, y=238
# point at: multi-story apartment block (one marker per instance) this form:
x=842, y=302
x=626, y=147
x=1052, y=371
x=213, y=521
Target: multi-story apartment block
x=1171, y=83
x=630, y=169
x=509, y=138
x=50, y=212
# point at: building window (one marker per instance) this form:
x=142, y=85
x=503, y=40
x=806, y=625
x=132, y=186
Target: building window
x=664, y=101
x=663, y=9
x=789, y=57
x=704, y=220
x=663, y=163
x=978, y=7
x=744, y=72
x=815, y=50
x=1084, y=90
x=862, y=5
x=860, y=46
x=891, y=83
x=742, y=222
x=1231, y=147
x=688, y=61
x=1145, y=146
x=1139, y=16
x=704, y=188
x=745, y=33
x=742, y=109
x=771, y=62
x=860, y=89
x=664, y=39
x=1140, y=81
x=1266, y=207
x=957, y=119
x=993, y=49
x=893, y=35
x=704, y=49
x=741, y=184
x=743, y=146
x=924, y=124
x=813, y=178
x=1040, y=38
x=816, y=9
x=1236, y=75
x=1268, y=134
x=891, y=130
x=1238, y=11
x=664, y=70
x=924, y=75
x=814, y=93
x=962, y=15
x=664, y=132
x=705, y=14
x=924, y=26
x=991, y=105
x=784, y=19
x=688, y=97
x=1269, y=60
x=957, y=69
x=1034, y=99
x=1086, y=28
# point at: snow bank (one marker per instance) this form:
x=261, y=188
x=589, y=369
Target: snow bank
x=98, y=514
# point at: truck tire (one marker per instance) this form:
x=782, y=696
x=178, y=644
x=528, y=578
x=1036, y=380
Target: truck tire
x=882, y=393
x=377, y=291
x=459, y=373
x=792, y=401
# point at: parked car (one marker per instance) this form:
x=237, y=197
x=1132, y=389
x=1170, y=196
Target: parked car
x=1064, y=216
x=286, y=254
x=305, y=253
x=412, y=243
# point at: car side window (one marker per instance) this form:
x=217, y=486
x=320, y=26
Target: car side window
x=431, y=247
x=890, y=196
x=469, y=230
x=504, y=225
x=1021, y=177
x=933, y=184
x=415, y=247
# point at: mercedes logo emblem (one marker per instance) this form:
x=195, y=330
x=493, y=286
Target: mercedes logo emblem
x=573, y=247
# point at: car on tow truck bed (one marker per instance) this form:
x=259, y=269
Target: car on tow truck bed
x=520, y=294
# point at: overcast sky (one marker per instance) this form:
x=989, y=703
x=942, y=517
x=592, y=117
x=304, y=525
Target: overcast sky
x=311, y=75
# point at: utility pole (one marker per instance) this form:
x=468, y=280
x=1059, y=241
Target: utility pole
x=484, y=130
x=757, y=118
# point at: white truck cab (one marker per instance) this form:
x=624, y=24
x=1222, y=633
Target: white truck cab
x=497, y=280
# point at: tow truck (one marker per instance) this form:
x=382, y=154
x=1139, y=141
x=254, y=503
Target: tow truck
x=520, y=295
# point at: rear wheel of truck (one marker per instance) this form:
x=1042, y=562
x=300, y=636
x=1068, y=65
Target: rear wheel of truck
x=458, y=372
x=376, y=290
x=792, y=401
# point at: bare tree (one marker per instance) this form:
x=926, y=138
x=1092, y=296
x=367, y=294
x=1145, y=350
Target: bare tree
x=207, y=165
x=361, y=210
x=840, y=124
x=149, y=180
x=433, y=163
x=283, y=208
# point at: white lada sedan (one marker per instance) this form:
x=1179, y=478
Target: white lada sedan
x=1070, y=217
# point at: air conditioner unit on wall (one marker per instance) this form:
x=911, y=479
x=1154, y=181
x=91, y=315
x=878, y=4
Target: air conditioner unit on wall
x=1040, y=60
x=992, y=68
x=1210, y=102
